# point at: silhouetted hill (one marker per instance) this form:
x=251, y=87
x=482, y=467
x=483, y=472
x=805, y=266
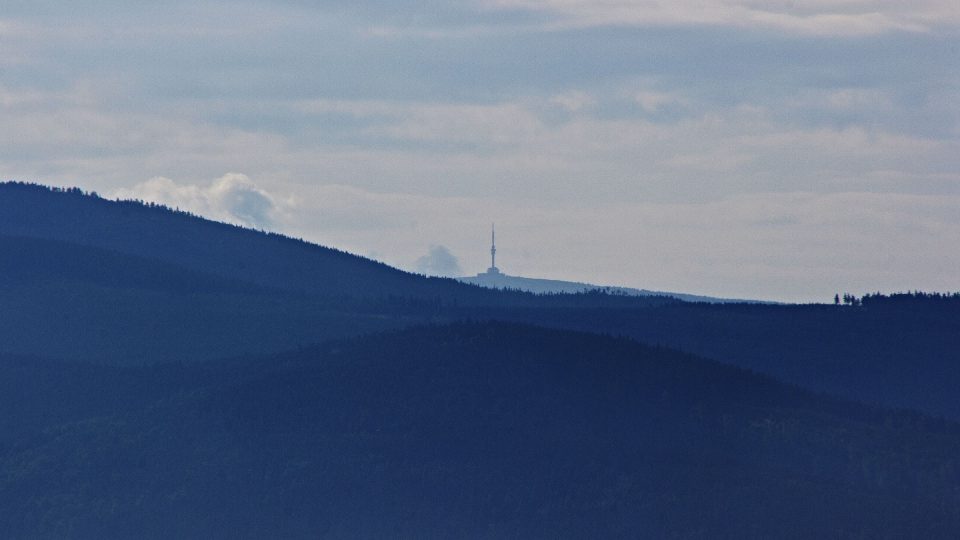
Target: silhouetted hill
x=126, y=283
x=76, y=302
x=903, y=354
x=192, y=242
x=471, y=430
x=84, y=278
x=246, y=255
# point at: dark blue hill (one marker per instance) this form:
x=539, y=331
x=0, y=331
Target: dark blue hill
x=896, y=353
x=77, y=302
x=32, y=261
x=254, y=257
x=195, y=243
x=470, y=430
x=129, y=283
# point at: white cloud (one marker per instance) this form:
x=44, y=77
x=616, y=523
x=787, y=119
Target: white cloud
x=232, y=198
x=438, y=262
x=811, y=17
x=475, y=150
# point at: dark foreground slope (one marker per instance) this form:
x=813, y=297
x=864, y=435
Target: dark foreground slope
x=472, y=430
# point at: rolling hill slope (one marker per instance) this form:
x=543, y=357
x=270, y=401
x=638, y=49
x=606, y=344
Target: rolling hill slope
x=479, y=430
x=75, y=302
x=198, y=244
x=125, y=283
x=164, y=376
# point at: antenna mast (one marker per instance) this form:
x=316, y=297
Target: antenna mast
x=493, y=247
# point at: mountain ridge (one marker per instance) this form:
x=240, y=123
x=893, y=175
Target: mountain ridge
x=257, y=257
x=204, y=393
x=500, y=280
x=885, y=353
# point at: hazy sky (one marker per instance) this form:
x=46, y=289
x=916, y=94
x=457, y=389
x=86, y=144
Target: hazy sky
x=770, y=149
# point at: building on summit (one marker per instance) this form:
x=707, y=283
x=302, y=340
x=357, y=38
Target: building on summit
x=493, y=278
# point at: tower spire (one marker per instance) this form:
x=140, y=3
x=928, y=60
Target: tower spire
x=493, y=246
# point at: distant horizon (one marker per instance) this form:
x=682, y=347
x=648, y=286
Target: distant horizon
x=411, y=267
x=468, y=257
x=728, y=148
x=465, y=273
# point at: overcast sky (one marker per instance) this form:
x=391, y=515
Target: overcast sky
x=773, y=149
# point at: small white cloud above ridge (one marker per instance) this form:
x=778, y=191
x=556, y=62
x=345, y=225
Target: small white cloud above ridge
x=233, y=198
x=438, y=262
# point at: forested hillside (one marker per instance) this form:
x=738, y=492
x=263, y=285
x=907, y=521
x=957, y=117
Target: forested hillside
x=891, y=351
x=84, y=278
x=240, y=254
x=192, y=242
x=163, y=376
x=479, y=430
x=80, y=303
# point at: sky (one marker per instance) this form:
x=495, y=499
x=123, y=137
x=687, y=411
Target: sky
x=783, y=150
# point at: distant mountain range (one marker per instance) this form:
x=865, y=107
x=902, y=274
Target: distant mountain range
x=166, y=376
x=499, y=280
x=89, y=279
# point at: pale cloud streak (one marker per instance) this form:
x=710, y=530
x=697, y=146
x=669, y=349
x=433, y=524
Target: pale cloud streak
x=810, y=17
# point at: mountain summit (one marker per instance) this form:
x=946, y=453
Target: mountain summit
x=494, y=278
